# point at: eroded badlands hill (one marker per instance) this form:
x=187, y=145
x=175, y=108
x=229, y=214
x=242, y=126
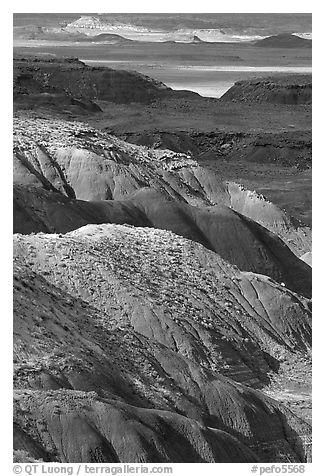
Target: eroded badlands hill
x=82, y=162
x=135, y=332
x=289, y=149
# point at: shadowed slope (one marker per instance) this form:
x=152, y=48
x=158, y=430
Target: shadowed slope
x=307, y=258
x=235, y=238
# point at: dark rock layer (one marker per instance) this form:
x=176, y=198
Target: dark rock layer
x=71, y=77
x=284, y=40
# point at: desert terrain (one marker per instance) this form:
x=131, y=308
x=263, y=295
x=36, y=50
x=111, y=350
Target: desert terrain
x=162, y=250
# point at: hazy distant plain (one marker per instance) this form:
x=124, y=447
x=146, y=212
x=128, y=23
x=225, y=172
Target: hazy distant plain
x=209, y=69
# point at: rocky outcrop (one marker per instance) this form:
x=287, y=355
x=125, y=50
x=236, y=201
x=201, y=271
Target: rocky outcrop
x=134, y=332
x=291, y=89
x=289, y=149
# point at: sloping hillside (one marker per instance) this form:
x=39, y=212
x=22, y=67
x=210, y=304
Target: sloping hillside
x=146, y=322
x=218, y=228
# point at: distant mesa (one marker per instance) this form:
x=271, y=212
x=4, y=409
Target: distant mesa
x=93, y=23
x=31, y=32
x=284, y=40
x=307, y=258
x=289, y=89
x=108, y=37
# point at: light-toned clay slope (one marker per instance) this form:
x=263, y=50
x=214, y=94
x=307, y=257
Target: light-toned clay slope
x=84, y=163
x=136, y=331
x=307, y=258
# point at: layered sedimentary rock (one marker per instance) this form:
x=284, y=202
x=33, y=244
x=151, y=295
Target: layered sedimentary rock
x=36, y=77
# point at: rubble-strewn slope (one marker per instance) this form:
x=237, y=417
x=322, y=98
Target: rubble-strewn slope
x=104, y=263
x=85, y=163
x=234, y=237
x=147, y=322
